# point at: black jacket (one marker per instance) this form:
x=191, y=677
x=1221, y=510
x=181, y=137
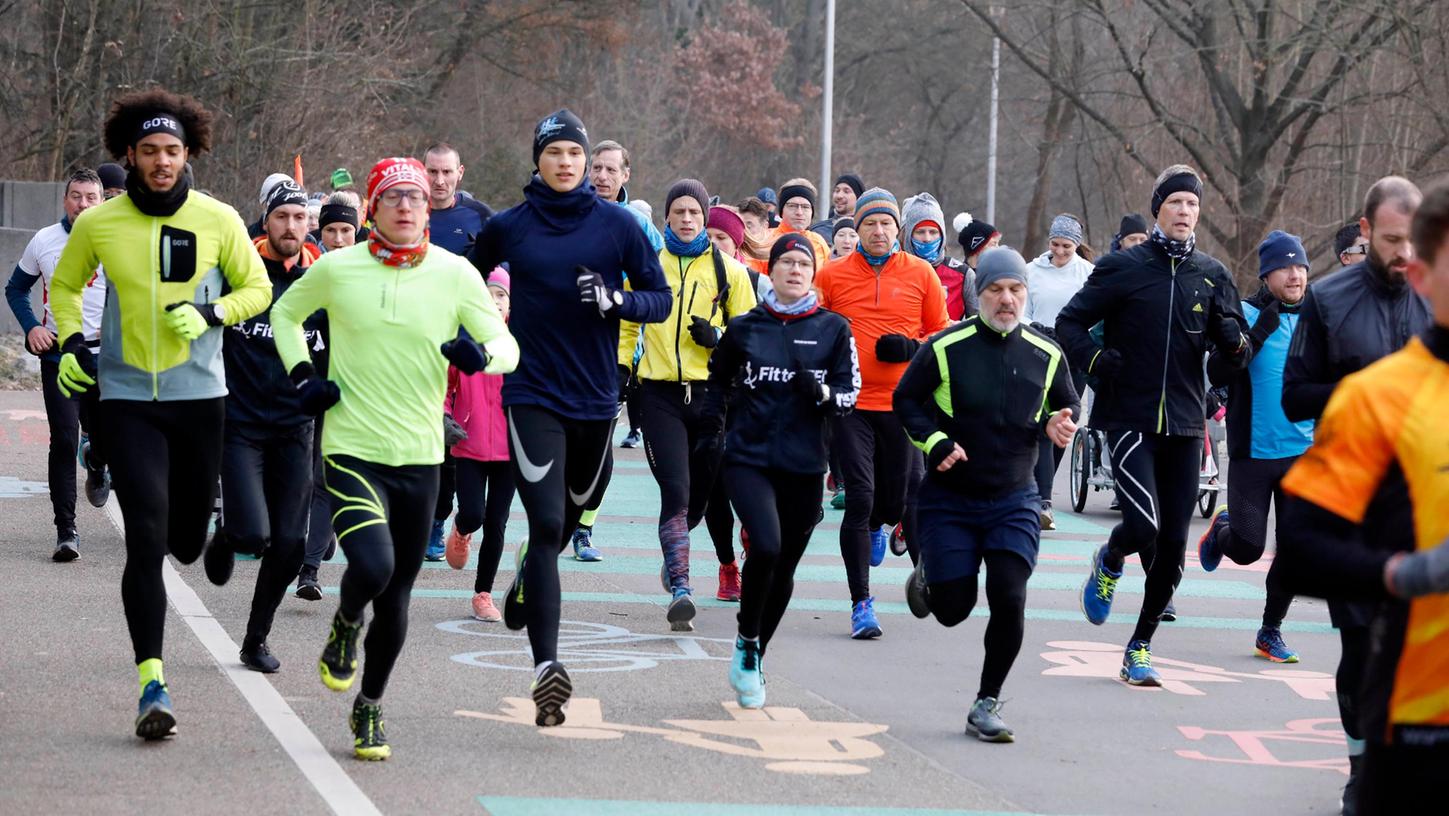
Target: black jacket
x=1159, y=314
x=1349, y=319
x=259, y=392
x=771, y=423
x=1001, y=390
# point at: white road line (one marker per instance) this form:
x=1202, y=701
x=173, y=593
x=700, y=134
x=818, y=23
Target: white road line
x=319, y=767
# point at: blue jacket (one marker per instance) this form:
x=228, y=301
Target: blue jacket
x=456, y=228
x=567, y=363
x=1257, y=426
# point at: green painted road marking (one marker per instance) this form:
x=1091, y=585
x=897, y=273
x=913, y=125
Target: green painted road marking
x=524, y=806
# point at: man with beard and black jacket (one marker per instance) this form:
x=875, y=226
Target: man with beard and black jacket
x=1160, y=302
x=1350, y=319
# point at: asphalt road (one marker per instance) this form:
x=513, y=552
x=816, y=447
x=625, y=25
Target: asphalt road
x=851, y=727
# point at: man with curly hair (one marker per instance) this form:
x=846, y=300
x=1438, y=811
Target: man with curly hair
x=179, y=266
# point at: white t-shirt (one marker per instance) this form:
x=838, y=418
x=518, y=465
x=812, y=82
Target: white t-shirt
x=39, y=260
x=1049, y=289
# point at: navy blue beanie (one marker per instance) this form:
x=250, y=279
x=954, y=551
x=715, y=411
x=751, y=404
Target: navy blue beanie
x=1278, y=250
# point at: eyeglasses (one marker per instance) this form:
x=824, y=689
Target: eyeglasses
x=787, y=264
x=393, y=199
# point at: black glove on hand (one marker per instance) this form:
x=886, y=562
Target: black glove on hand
x=1228, y=336
x=703, y=334
x=317, y=394
x=625, y=374
x=895, y=348
x=707, y=446
x=1107, y=365
x=1268, y=322
x=938, y=454
x=593, y=291
x=810, y=388
x=465, y=355
x=453, y=433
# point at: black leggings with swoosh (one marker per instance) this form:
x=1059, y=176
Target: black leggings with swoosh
x=557, y=462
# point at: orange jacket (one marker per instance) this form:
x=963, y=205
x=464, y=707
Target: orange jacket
x=904, y=297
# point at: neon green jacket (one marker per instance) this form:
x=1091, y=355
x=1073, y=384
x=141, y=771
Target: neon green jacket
x=385, y=325
x=193, y=255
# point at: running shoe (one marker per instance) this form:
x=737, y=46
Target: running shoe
x=551, y=689
x=584, y=549
x=729, y=583
x=1270, y=646
x=985, y=723
x=879, y=537
x=837, y=502
x=331, y=548
x=1098, y=589
x=515, y=615
x=338, y=665
x=1169, y=614
x=633, y=439
x=219, y=558
x=308, y=589
x=916, y=591
x=1348, y=803
x=863, y=625
x=98, y=480
x=483, y=608
x=154, y=719
x=745, y=675
x=681, y=610
x=1048, y=519
x=1137, y=665
x=457, y=548
x=898, y=540
x=67, y=547
x=369, y=740
x=258, y=658
x=435, y=549
x=1209, y=554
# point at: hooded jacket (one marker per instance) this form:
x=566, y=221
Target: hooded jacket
x=670, y=353
x=569, y=351
x=1158, y=313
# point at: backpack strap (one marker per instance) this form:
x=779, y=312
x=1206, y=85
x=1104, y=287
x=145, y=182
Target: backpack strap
x=721, y=284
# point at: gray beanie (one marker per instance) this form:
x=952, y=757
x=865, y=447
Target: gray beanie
x=998, y=263
x=1065, y=226
x=922, y=207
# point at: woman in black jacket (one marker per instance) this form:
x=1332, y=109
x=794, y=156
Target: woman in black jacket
x=782, y=367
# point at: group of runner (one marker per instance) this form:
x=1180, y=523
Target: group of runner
x=344, y=387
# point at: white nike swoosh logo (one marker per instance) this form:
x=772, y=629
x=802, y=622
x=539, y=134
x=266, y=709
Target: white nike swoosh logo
x=532, y=473
x=582, y=499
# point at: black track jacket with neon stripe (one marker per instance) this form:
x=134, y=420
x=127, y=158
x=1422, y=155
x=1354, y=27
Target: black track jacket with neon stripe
x=990, y=393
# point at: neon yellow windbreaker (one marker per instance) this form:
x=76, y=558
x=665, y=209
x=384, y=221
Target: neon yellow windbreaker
x=192, y=255
x=670, y=354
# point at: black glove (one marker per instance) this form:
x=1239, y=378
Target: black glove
x=707, y=447
x=317, y=394
x=1107, y=365
x=895, y=348
x=938, y=454
x=809, y=388
x=1228, y=335
x=1268, y=322
x=453, y=433
x=593, y=291
x=625, y=374
x=703, y=334
x=465, y=355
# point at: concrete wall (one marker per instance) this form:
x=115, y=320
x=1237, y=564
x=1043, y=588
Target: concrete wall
x=30, y=204
x=12, y=243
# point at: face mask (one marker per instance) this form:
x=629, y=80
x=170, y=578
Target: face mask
x=929, y=251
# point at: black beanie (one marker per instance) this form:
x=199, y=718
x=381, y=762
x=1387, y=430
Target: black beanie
x=796, y=191
x=787, y=242
x=337, y=213
x=1132, y=223
x=112, y=175
x=687, y=188
x=284, y=193
x=1184, y=182
x=975, y=235
x=853, y=180
x=559, y=126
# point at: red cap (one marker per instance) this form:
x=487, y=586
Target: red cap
x=391, y=172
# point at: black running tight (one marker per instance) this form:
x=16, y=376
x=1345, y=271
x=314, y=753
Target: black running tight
x=485, y=492
x=165, y=458
x=382, y=516
x=779, y=509
x=952, y=601
x=557, y=463
x=875, y=460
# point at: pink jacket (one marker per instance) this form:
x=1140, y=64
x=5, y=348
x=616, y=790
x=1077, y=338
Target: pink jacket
x=475, y=401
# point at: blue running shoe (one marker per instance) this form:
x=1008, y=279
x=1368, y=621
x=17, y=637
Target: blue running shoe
x=863, y=625
x=1098, y=590
x=1209, y=554
x=1270, y=646
x=436, y=548
x=1137, y=665
x=745, y=677
x=154, y=719
x=584, y=549
x=879, y=538
x=681, y=611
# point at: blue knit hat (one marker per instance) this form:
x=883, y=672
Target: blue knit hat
x=875, y=201
x=1278, y=250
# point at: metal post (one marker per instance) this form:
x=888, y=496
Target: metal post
x=991, y=136
x=827, y=114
